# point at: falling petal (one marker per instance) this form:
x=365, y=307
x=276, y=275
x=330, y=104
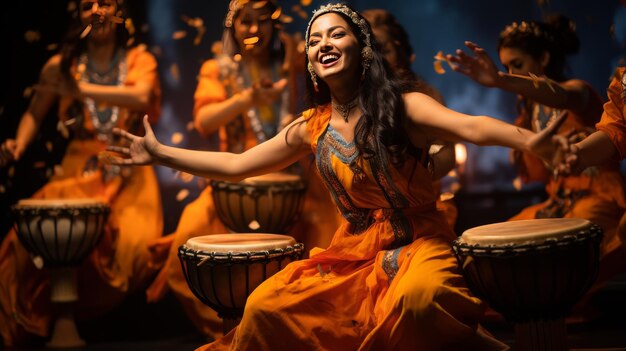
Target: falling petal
x=276, y=13
x=130, y=27
x=305, y=2
x=517, y=183
x=28, y=91
x=32, y=36
x=198, y=39
x=130, y=41
x=179, y=34
x=38, y=262
x=182, y=194
x=440, y=56
x=237, y=57
x=216, y=48
x=49, y=146
x=190, y=126
x=299, y=11
x=286, y=19
x=175, y=72
x=185, y=177
x=177, y=138
x=258, y=4
x=254, y=225
x=438, y=67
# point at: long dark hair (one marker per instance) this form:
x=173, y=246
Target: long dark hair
x=73, y=45
x=380, y=132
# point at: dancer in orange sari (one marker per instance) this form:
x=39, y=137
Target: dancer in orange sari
x=98, y=83
x=247, y=94
x=534, y=54
x=388, y=280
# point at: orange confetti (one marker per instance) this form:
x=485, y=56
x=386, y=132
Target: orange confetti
x=305, y=2
x=254, y=225
x=182, y=194
x=299, y=11
x=179, y=34
x=185, y=177
x=28, y=91
x=190, y=126
x=517, y=183
x=175, y=72
x=32, y=36
x=177, y=138
x=276, y=13
x=438, y=67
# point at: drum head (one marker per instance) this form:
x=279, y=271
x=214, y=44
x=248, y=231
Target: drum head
x=241, y=242
x=48, y=203
x=532, y=231
x=271, y=178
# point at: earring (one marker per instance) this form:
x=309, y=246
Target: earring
x=313, y=76
x=367, y=55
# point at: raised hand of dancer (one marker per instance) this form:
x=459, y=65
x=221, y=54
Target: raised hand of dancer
x=479, y=66
x=140, y=152
x=549, y=146
x=266, y=92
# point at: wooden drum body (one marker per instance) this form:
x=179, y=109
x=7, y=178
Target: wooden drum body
x=59, y=234
x=269, y=203
x=223, y=269
x=532, y=272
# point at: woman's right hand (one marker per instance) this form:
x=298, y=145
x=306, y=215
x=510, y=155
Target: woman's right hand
x=9, y=152
x=479, y=67
x=141, y=151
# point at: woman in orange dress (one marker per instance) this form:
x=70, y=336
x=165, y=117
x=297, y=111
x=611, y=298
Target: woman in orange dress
x=534, y=54
x=98, y=84
x=247, y=94
x=389, y=279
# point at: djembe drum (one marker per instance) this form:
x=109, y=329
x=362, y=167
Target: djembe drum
x=223, y=269
x=270, y=203
x=532, y=272
x=59, y=234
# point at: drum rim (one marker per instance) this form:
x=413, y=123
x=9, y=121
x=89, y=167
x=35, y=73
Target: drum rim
x=221, y=256
x=592, y=233
x=59, y=203
x=473, y=235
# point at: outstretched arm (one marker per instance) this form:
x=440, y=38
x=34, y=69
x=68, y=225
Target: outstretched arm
x=572, y=94
x=430, y=117
x=275, y=154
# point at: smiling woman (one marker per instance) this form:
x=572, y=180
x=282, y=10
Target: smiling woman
x=388, y=280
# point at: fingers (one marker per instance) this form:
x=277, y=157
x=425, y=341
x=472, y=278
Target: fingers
x=124, y=134
x=281, y=84
x=119, y=149
x=558, y=121
x=146, y=124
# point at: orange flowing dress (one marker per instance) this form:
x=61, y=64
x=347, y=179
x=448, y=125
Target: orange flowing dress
x=119, y=264
x=315, y=227
x=596, y=195
x=388, y=280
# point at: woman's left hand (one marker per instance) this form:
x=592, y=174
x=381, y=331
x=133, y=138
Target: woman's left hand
x=141, y=151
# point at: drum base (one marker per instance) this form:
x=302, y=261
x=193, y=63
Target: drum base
x=64, y=331
x=541, y=335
